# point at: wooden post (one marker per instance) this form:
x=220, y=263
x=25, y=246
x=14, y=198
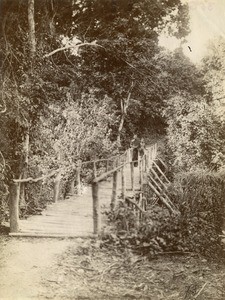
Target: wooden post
x=132, y=175
x=114, y=190
x=130, y=154
x=123, y=183
x=141, y=173
x=96, y=208
x=14, y=207
x=22, y=195
x=145, y=162
x=56, y=187
x=72, y=192
x=94, y=169
x=139, y=167
x=107, y=166
x=156, y=146
x=150, y=157
x=78, y=181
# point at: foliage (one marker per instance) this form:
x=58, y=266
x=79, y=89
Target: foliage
x=200, y=199
x=40, y=93
x=127, y=35
x=214, y=70
x=202, y=204
x=195, y=134
x=84, y=133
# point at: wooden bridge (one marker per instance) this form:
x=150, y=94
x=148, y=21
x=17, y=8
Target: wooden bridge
x=80, y=215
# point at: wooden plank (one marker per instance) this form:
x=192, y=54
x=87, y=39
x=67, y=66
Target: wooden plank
x=161, y=172
x=159, y=179
x=161, y=198
x=37, y=235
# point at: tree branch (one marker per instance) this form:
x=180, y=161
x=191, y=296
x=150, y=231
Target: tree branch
x=70, y=47
x=3, y=159
x=4, y=109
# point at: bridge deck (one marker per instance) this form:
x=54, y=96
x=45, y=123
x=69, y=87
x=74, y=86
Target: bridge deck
x=73, y=217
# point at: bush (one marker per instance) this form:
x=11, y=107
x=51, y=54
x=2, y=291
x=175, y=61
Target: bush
x=200, y=198
x=195, y=134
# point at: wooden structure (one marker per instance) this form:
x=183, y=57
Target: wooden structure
x=111, y=177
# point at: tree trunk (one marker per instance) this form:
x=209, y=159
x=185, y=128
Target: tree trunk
x=32, y=40
x=124, y=107
x=24, y=170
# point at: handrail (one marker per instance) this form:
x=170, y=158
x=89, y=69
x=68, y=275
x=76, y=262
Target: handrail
x=120, y=161
x=148, y=156
x=30, y=179
x=106, y=174
x=99, y=160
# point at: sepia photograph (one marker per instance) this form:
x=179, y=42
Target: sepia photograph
x=112, y=149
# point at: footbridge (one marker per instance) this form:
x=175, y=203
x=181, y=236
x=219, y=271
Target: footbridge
x=81, y=214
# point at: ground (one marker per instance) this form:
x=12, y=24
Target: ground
x=83, y=269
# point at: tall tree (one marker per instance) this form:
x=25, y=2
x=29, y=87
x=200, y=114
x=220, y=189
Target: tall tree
x=127, y=32
x=31, y=22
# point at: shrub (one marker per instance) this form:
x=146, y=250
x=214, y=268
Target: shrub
x=200, y=199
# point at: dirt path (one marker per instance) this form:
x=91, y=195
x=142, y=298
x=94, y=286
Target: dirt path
x=24, y=262
x=81, y=269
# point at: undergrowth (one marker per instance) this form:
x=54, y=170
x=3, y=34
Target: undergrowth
x=200, y=200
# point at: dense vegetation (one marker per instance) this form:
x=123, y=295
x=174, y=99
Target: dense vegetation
x=80, y=77
x=65, y=60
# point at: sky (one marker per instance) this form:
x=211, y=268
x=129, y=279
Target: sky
x=207, y=21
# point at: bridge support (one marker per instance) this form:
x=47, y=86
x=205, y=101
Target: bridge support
x=96, y=208
x=14, y=207
x=56, y=187
x=132, y=175
x=123, y=183
x=114, y=190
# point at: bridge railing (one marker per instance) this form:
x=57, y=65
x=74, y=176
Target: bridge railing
x=17, y=185
x=113, y=165
x=126, y=159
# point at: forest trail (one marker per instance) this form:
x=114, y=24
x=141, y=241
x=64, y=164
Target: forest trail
x=26, y=262
x=39, y=269
x=73, y=217
x=23, y=262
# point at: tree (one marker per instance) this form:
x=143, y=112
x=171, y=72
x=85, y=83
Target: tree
x=195, y=123
x=127, y=35
x=195, y=134
x=117, y=39
x=213, y=67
